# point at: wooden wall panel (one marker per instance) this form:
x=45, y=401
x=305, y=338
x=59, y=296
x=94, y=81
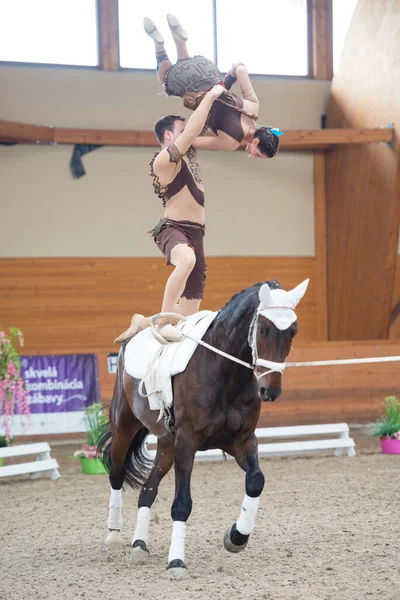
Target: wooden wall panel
x=78, y=305
x=363, y=183
x=81, y=305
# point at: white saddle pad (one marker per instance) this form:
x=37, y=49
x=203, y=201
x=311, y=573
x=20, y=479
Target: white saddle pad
x=146, y=358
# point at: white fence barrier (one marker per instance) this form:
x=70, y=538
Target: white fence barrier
x=43, y=462
x=338, y=441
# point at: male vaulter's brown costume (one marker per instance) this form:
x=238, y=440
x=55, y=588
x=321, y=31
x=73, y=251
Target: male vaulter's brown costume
x=169, y=233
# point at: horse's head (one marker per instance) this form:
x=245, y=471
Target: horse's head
x=271, y=334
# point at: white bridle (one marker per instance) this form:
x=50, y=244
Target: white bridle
x=278, y=306
x=273, y=367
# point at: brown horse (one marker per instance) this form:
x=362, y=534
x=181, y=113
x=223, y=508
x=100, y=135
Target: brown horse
x=216, y=405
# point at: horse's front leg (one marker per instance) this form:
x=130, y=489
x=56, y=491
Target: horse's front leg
x=246, y=455
x=182, y=504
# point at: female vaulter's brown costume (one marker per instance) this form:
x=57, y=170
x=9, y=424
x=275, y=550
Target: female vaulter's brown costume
x=192, y=78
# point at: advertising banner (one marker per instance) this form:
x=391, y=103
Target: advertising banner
x=60, y=388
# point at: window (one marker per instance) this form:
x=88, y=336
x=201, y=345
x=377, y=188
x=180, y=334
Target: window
x=49, y=31
x=269, y=36
x=342, y=14
x=137, y=49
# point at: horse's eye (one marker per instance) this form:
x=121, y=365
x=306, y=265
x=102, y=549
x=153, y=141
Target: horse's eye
x=264, y=331
x=294, y=329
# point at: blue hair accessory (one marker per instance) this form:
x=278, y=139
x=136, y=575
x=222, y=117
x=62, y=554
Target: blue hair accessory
x=277, y=132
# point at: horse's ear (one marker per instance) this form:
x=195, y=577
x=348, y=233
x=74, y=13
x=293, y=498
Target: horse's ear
x=264, y=294
x=298, y=292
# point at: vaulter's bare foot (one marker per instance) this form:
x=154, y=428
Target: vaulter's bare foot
x=132, y=330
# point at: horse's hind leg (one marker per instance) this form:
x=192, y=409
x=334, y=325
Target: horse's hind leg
x=124, y=428
x=184, y=451
x=246, y=455
x=163, y=462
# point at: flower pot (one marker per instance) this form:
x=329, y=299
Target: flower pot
x=92, y=466
x=390, y=446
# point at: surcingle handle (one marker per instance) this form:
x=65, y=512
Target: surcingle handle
x=165, y=315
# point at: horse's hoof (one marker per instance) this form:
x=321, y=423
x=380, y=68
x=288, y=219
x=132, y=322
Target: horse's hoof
x=177, y=570
x=113, y=540
x=139, y=553
x=230, y=546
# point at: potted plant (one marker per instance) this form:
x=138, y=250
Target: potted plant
x=4, y=442
x=13, y=394
x=387, y=428
x=95, y=421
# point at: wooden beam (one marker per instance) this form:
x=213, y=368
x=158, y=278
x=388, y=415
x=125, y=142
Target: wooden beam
x=108, y=32
x=11, y=131
x=310, y=138
x=320, y=39
x=321, y=281
x=105, y=137
x=302, y=139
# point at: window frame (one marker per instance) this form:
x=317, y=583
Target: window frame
x=319, y=43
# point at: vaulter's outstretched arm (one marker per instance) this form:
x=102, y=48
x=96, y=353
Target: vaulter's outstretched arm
x=218, y=142
x=245, y=84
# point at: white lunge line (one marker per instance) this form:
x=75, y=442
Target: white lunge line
x=315, y=363
x=344, y=361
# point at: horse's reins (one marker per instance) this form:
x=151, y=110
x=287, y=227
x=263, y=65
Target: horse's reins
x=260, y=362
x=273, y=367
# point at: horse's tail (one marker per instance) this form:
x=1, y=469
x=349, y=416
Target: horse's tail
x=137, y=464
x=104, y=444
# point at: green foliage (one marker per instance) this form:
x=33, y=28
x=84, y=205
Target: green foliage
x=95, y=421
x=8, y=352
x=388, y=425
x=5, y=441
x=13, y=393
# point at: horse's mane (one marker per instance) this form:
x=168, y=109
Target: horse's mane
x=239, y=301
